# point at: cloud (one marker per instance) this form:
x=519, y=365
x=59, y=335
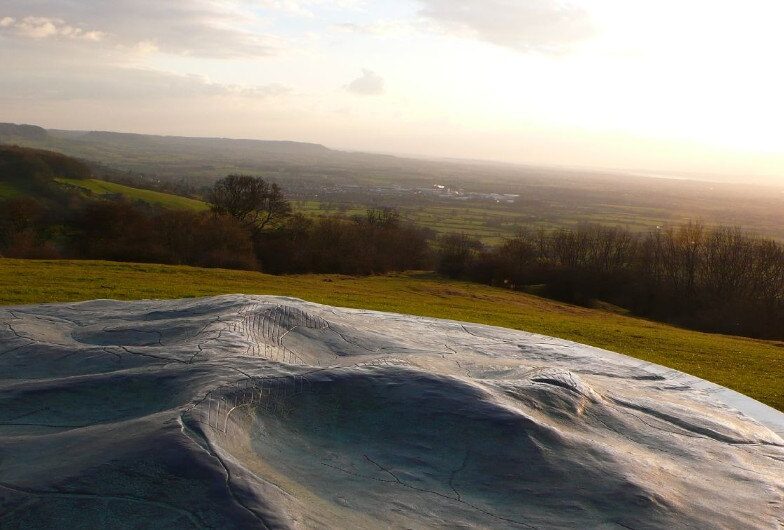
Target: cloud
x=380, y=28
x=43, y=27
x=368, y=84
x=199, y=28
x=48, y=57
x=37, y=81
x=548, y=26
x=292, y=7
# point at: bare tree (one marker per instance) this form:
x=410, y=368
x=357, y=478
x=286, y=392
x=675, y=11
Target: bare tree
x=251, y=200
x=456, y=253
x=383, y=217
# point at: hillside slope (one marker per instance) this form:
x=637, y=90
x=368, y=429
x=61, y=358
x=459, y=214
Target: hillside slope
x=32, y=171
x=52, y=176
x=102, y=188
x=752, y=367
x=170, y=156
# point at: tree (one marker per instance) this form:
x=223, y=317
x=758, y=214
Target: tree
x=456, y=254
x=251, y=200
x=383, y=217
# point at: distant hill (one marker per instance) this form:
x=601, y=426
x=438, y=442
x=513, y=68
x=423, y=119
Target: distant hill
x=304, y=169
x=11, y=131
x=148, y=141
x=202, y=160
x=20, y=163
x=32, y=171
x=329, y=180
x=45, y=174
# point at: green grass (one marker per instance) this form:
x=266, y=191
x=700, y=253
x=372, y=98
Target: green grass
x=753, y=367
x=166, y=200
x=491, y=223
x=8, y=190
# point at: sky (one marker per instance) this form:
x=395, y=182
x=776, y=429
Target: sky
x=673, y=86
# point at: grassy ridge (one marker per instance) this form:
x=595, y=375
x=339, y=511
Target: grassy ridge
x=755, y=368
x=166, y=200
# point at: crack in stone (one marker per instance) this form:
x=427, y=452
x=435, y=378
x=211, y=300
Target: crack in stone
x=395, y=480
x=193, y=518
x=169, y=360
x=155, y=332
x=454, y=473
x=268, y=329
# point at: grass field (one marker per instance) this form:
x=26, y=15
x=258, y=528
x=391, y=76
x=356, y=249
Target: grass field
x=166, y=200
x=753, y=367
x=8, y=190
x=491, y=224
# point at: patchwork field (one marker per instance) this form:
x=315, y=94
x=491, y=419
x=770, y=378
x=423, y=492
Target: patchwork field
x=492, y=223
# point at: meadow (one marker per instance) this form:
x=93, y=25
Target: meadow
x=165, y=200
x=8, y=190
x=752, y=367
x=493, y=223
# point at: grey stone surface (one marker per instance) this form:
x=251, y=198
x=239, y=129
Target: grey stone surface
x=245, y=412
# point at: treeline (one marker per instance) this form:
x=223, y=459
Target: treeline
x=713, y=279
x=119, y=230
x=38, y=166
x=250, y=226
x=375, y=243
x=32, y=171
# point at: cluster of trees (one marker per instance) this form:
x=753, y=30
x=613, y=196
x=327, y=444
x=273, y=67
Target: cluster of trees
x=122, y=231
x=375, y=243
x=27, y=229
x=714, y=279
x=284, y=243
x=35, y=168
x=249, y=226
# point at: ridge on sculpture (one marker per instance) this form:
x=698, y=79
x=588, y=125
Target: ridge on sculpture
x=251, y=411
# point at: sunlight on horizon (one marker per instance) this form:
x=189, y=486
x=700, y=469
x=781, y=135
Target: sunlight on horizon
x=673, y=87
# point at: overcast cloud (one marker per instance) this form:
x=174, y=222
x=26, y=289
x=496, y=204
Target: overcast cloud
x=523, y=80
x=70, y=71
x=119, y=83
x=523, y=25
x=81, y=49
x=201, y=28
x=123, y=84
x=42, y=27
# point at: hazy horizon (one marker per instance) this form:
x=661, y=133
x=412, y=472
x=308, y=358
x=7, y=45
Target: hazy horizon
x=619, y=171
x=663, y=89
